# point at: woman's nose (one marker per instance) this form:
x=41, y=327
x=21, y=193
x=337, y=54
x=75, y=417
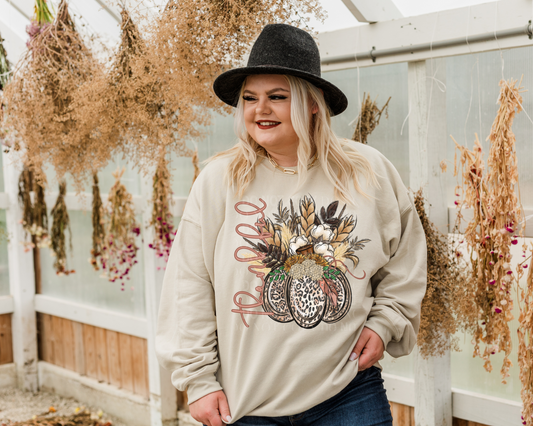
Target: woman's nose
x=262, y=106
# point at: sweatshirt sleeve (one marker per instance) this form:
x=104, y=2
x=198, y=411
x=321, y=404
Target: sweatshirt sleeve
x=186, y=338
x=399, y=287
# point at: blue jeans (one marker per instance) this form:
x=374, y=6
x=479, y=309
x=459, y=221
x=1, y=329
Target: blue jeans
x=362, y=403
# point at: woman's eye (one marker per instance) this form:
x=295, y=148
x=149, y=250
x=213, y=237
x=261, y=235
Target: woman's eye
x=278, y=97
x=248, y=98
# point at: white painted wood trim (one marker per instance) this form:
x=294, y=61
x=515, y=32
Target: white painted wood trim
x=485, y=409
x=4, y=200
x=373, y=11
x=7, y=306
x=21, y=282
x=163, y=397
x=97, y=317
x=430, y=28
x=399, y=389
x=8, y=375
x=471, y=406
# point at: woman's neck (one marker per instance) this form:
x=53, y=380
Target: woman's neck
x=287, y=159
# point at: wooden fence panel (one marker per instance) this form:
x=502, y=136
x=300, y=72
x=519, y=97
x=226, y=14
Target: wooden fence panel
x=140, y=366
x=113, y=358
x=68, y=345
x=101, y=354
x=89, y=346
x=6, y=339
x=126, y=367
x=58, y=341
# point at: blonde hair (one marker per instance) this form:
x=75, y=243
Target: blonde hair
x=340, y=166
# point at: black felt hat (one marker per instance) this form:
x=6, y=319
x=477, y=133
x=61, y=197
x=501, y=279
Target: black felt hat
x=281, y=49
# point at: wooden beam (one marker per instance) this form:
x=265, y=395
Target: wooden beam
x=163, y=395
x=373, y=11
x=21, y=283
x=433, y=394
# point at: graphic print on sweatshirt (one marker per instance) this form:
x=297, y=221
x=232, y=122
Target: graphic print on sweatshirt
x=302, y=257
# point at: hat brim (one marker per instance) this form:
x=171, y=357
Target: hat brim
x=227, y=85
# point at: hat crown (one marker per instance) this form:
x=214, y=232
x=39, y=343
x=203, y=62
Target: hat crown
x=286, y=46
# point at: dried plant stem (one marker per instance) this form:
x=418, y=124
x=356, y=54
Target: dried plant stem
x=119, y=251
x=196, y=165
x=491, y=233
x=368, y=118
x=525, y=347
x=39, y=100
x=161, y=215
x=34, y=214
x=438, y=322
x=98, y=236
x=60, y=225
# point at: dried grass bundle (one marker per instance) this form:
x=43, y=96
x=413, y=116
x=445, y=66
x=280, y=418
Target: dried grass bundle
x=5, y=73
x=60, y=225
x=491, y=233
x=34, y=214
x=5, y=66
x=194, y=40
x=161, y=215
x=525, y=348
x=438, y=322
x=119, y=250
x=368, y=118
x=40, y=96
x=129, y=102
x=98, y=236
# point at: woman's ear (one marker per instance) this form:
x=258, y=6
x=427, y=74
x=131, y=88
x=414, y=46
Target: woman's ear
x=314, y=109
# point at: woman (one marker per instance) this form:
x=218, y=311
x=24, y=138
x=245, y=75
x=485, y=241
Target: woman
x=299, y=258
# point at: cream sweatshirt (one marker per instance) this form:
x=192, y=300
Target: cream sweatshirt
x=266, y=296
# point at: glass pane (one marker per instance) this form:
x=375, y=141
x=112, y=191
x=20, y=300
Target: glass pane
x=220, y=136
x=131, y=179
x=4, y=270
x=85, y=285
x=403, y=366
x=379, y=82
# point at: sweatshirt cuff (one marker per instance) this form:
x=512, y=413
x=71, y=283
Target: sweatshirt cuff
x=202, y=386
x=382, y=327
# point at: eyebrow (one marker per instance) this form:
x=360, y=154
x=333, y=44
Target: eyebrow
x=270, y=91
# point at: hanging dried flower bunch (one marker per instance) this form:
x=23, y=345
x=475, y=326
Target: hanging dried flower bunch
x=368, y=118
x=34, y=214
x=525, y=347
x=5, y=73
x=161, y=215
x=98, y=224
x=129, y=101
x=42, y=18
x=60, y=225
x=40, y=96
x=5, y=66
x=119, y=250
x=492, y=231
x=438, y=322
x=193, y=40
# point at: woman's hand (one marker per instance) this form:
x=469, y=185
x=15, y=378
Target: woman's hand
x=369, y=349
x=211, y=409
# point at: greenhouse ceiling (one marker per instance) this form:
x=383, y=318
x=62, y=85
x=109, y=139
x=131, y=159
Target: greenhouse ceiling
x=102, y=16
